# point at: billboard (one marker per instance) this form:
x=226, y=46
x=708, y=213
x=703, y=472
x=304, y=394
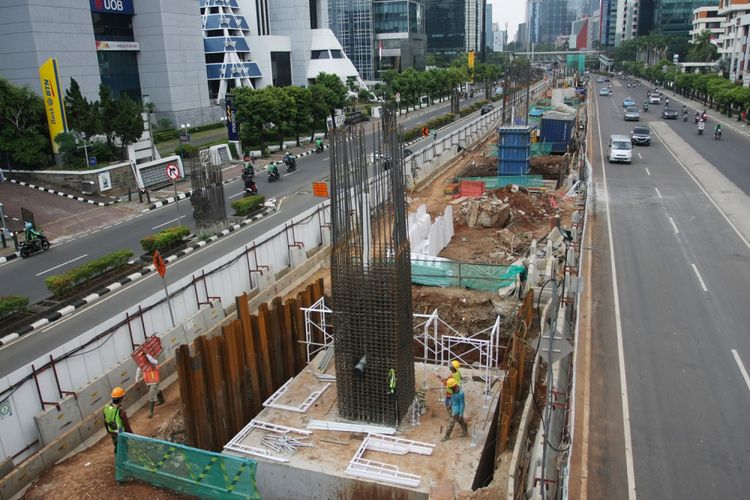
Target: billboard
x=112, y=6
x=53, y=101
x=233, y=126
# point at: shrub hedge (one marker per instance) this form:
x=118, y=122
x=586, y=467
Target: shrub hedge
x=62, y=284
x=12, y=304
x=433, y=124
x=164, y=240
x=247, y=205
x=174, y=133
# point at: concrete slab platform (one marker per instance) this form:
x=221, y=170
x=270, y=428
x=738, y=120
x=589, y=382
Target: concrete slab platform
x=320, y=471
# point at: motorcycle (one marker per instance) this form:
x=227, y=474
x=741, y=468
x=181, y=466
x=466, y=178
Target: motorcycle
x=250, y=187
x=697, y=118
x=717, y=135
x=700, y=128
x=273, y=175
x=319, y=147
x=291, y=164
x=684, y=117
x=29, y=247
x=645, y=106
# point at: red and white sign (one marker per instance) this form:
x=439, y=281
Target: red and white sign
x=173, y=171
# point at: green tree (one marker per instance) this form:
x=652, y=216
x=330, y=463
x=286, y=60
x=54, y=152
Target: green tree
x=278, y=106
x=333, y=92
x=80, y=113
x=300, y=114
x=702, y=50
x=24, y=135
x=127, y=122
x=107, y=110
x=253, y=114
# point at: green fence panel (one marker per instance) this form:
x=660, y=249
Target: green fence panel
x=482, y=277
x=506, y=180
x=541, y=148
x=183, y=469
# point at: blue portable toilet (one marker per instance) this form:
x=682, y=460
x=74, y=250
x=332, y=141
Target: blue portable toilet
x=558, y=129
x=514, y=150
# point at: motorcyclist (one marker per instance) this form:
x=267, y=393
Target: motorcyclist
x=697, y=116
x=684, y=109
x=704, y=116
x=666, y=101
x=248, y=171
x=289, y=161
x=717, y=131
x=30, y=232
x=273, y=170
x=319, y=144
x=701, y=126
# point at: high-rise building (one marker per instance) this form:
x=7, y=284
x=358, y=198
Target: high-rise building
x=521, y=36
x=733, y=42
x=499, y=40
x=473, y=15
x=675, y=17
x=445, y=26
x=399, y=27
x=707, y=19
x=351, y=22
x=488, y=38
x=546, y=20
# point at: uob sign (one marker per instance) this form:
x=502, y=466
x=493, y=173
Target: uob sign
x=112, y=6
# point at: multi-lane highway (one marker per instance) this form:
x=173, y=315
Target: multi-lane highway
x=669, y=391
x=26, y=277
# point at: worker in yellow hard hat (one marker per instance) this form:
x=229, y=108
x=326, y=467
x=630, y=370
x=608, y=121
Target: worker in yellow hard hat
x=455, y=372
x=115, y=418
x=457, y=409
x=455, y=375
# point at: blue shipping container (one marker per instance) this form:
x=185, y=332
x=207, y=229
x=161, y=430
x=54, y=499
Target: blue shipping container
x=557, y=128
x=514, y=150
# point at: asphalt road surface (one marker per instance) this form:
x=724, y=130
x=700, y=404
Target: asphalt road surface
x=294, y=187
x=25, y=277
x=670, y=394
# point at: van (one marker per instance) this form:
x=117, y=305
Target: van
x=620, y=149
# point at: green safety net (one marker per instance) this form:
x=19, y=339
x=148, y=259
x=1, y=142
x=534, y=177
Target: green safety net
x=482, y=277
x=183, y=469
x=506, y=180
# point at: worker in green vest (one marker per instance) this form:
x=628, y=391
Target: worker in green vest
x=115, y=418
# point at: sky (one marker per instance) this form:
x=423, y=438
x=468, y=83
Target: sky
x=511, y=11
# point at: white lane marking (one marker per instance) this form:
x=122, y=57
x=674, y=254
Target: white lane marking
x=713, y=202
x=700, y=278
x=639, y=156
x=648, y=172
x=60, y=265
x=658, y=193
x=630, y=470
x=674, y=226
x=741, y=367
x=326, y=158
x=169, y=222
x=290, y=173
x=236, y=195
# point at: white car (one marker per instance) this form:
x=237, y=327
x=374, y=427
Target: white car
x=620, y=149
x=654, y=99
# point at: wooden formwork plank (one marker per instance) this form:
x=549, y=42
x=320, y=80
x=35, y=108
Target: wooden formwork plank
x=250, y=352
x=232, y=377
x=298, y=334
x=201, y=404
x=502, y=433
x=185, y=379
x=269, y=375
x=290, y=339
x=216, y=392
x=236, y=348
x=283, y=339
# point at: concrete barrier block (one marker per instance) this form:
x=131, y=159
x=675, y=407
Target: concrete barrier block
x=213, y=315
x=297, y=256
x=60, y=447
x=168, y=368
x=194, y=326
x=134, y=393
x=56, y=420
x=122, y=374
x=266, y=279
x=23, y=474
x=171, y=340
x=94, y=395
x=6, y=466
x=91, y=424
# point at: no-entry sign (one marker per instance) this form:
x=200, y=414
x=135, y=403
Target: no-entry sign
x=173, y=172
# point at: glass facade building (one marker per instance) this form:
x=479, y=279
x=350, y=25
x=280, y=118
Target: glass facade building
x=351, y=22
x=399, y=27
x=445, y=27
x=675, y=17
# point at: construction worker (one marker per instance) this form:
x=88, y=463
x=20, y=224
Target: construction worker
x=457, y=410
x=455, y=372
x=455, y=375
x=115, y=418
x=151, y=376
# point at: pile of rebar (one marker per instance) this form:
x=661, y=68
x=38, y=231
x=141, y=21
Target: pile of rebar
x=284, y=444
x=371, y=275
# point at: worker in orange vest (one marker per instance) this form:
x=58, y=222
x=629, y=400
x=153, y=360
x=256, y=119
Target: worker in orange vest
x=151, y=377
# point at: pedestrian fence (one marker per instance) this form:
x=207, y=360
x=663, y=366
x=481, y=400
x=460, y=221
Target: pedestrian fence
x=183, y=469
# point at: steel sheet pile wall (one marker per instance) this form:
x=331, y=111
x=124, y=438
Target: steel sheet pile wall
x=232, y=371
x=371, y=277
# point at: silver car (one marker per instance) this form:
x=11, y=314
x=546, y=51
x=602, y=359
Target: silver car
x=632, y=114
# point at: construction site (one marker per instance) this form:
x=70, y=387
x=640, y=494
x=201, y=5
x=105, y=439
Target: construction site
x=333, y=386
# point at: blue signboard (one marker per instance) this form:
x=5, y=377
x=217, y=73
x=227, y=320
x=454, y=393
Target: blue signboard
x=112, y=6
x=233, y=126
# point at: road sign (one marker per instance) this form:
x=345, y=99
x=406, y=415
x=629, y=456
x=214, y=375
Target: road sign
x=398, y=96
x=320, y=189
x=173, y=172
x=425, y=131
x=159, y=264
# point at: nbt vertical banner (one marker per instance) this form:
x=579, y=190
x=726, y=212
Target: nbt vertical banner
x=233, y=126
x=53, y=101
